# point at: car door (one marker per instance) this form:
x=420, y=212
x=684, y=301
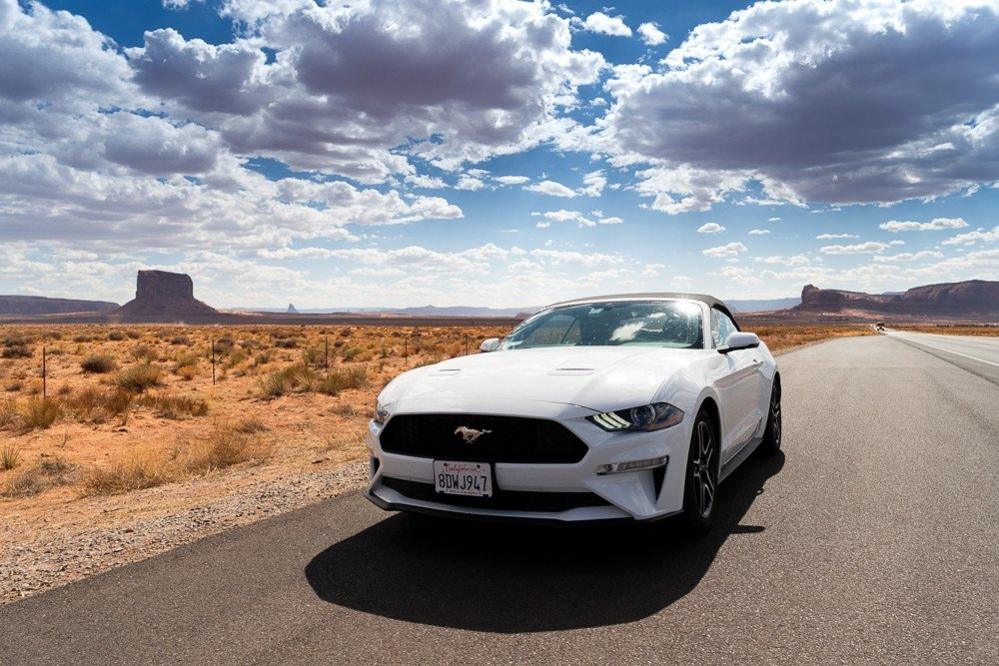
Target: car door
x=739, y=386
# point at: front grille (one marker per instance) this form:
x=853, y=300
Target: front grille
x=512, y=439
x=507, y=500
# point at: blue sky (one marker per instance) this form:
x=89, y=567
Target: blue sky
x=496, y=152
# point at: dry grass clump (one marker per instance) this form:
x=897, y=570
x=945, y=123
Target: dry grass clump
x=10, y=457
x=98, y=364
x=122, y=477
x=116, y=335
x=138, y=378
x=39, y=413
x=295, y=378
x=8, y=413
x=251, y=427
x=47, y=472
x=224, y=447
x=173, y=406
x=186, y=366
x=99, y=405
x=339, y=379
x=143, y=353
x=16, y=350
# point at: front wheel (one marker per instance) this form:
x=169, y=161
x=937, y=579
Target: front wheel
x=775, y=430
x=701, y=484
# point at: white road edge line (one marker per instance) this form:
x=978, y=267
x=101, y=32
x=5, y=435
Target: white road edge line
x=944, y=349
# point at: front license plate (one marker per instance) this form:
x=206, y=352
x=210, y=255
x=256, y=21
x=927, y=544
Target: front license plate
x=463, y=478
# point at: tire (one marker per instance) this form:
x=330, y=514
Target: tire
x=774, y=433
x=700, y=488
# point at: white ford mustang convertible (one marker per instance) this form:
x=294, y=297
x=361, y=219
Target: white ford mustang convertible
x=628, y=407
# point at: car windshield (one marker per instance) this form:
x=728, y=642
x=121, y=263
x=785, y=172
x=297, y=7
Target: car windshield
x=675, y=324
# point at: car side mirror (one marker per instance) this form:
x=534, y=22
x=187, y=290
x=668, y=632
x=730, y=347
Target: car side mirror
x=489, y=345
x=740, y=340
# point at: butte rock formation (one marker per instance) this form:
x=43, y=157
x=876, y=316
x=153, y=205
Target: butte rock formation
x=164, y=297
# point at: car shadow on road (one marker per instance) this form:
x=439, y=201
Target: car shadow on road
x=514, y=578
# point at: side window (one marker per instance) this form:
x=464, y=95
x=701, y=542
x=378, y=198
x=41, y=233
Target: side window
x=721, y=327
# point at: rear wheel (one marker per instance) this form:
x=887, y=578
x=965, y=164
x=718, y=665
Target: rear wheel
x=775, y=430
x=701, y=484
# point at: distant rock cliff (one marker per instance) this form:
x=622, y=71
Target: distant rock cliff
x=979, y=298
x=163, y=296
x=39, y=305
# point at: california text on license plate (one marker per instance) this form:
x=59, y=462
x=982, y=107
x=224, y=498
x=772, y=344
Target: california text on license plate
x=463, y=478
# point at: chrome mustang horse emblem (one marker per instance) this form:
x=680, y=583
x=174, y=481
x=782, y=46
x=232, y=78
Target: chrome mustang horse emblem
x=469, y=435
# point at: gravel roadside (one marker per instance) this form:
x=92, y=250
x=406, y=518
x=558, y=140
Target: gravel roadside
x=55, y=559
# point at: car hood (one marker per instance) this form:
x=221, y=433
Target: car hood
x=598, y=378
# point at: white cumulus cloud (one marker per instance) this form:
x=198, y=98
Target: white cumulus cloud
x=607, y=25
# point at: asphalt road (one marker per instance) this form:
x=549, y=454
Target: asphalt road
x=977, y=354
x=876, y=539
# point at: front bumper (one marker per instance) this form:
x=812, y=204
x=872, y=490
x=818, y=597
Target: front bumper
x=636, y=495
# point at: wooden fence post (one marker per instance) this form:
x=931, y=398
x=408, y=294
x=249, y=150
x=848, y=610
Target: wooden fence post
x=45, y=392
x=213, y=362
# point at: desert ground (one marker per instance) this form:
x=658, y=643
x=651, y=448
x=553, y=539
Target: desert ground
x=129, y=446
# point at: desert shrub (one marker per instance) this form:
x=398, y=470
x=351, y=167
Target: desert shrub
x=17, y=350
x=292, y=378
x=122, y=477
x=8, y=413
x=116, y=335
x=143, y=353
x=10, y=457
x=83, y=338
x=251, y=426
x=286, y=343
x=314, y=356
x=187, y=373
x=99, y=405
x=339, y=379
x=138, y=378
x=173, y=406
x=350, y=353
x=98, y=363
x=186, y=361
x=234, y=358
x=14, y=386
x=133, y=334
x=47, y=473
x=39, y=413
x=225, y=446
x=345, y=410
x=180, y=340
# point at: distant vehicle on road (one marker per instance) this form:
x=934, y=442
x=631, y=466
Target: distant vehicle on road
x=626, y=407
x=879, y=327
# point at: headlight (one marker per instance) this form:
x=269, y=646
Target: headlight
x=656, y=416
x=381, y=414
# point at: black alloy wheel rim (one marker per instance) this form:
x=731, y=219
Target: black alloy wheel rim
x=705, y=479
